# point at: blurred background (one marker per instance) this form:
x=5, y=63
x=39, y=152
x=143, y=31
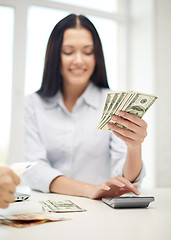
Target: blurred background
x=136, y=37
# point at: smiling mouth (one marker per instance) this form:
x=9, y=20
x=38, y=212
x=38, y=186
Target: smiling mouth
x=77, y=71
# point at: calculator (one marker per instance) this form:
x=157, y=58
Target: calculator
x=21, y=196
x=129, y=201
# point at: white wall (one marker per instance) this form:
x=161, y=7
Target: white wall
x=141, y=71
x=149, y=70
x=163, y=82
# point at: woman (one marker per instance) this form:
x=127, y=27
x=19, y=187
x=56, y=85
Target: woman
x=61, y=118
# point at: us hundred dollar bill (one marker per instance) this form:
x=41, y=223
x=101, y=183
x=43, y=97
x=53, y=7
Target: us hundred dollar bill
x=60, y=206
x=131, y=102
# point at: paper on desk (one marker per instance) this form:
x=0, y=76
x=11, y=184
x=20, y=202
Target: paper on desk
x=29, y=219
x=60, y=206
x=21, y=167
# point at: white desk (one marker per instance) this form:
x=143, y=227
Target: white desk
x=99, y=222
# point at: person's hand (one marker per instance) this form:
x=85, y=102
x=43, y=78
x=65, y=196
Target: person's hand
x=135, y=131
x=113, y=187
x=8, y=182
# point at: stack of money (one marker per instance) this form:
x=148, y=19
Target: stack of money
x=29, y=219
x=131, y=102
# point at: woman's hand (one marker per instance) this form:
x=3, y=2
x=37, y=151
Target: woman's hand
x=113, y=187
x=8, y=182
x=134, y=133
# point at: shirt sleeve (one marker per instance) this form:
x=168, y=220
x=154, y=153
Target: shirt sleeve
x=41, y=175
x=118, y=151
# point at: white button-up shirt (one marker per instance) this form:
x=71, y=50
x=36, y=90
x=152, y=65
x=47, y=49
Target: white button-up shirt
x=69, y=144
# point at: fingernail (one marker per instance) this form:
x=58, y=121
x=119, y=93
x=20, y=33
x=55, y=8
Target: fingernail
x=114, y=118
x=106, y=188
x=122, y=184
x=121, y=113
x=137, y=191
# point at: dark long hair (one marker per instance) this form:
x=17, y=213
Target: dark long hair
x=52, y=79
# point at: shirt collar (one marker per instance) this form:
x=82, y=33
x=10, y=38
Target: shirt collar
x=91, y=95
x=87, y=97
x=52, y=102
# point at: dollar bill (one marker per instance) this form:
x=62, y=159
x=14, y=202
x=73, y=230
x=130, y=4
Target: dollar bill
x=29, y=219
x=139, y=104
x=60, y=206
x=29, y=216
x=118, y=99
x=21, y=167
x=114, y=99
x=131, y=102
x=21, y=223
x=107, y=103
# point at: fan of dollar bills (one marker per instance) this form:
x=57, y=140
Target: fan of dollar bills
x=131, y=102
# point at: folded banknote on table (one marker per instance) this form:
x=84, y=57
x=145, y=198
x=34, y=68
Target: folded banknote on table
x=29, y=219
x=131, y=102
x=51, y=209
x=60, y=206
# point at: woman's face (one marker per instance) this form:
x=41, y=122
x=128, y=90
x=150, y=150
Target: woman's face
x=77, y=57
